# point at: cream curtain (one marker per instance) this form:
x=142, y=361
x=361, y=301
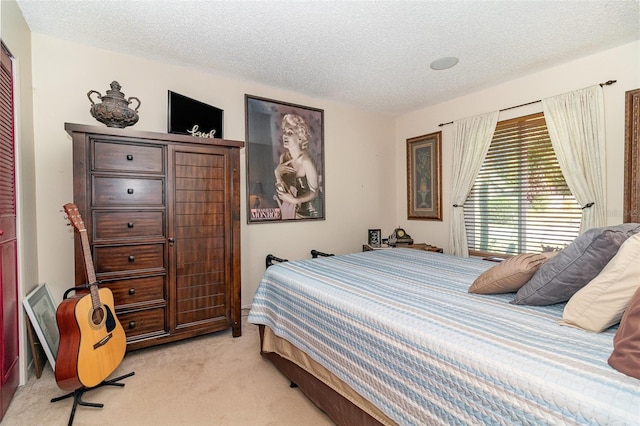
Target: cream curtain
x=471, y=140
x=576, y=127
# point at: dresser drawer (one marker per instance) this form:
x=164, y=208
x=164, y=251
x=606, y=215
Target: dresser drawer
x=123, y=191
x=129, y=258
x=148, y=321
x=130, y=224
x=137, y=290
x=127, y=158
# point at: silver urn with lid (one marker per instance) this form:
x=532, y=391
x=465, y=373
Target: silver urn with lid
x=114, y=109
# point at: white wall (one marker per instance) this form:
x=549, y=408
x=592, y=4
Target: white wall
x=359, y=152
x=621, y=64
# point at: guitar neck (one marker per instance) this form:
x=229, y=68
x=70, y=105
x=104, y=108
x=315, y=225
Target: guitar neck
x=74, y=217
x=88, y=262
x=88, y=266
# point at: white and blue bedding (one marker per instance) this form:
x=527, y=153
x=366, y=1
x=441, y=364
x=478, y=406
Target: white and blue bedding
x=400, y=328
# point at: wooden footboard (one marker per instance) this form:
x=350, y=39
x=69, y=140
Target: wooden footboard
x=339, y=409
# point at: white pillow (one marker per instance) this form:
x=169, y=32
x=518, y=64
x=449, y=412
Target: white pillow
x=601, y=303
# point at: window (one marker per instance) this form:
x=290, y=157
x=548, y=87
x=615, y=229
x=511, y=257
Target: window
x=520, y=202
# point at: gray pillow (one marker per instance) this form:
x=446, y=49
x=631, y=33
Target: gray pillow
x=573, y=267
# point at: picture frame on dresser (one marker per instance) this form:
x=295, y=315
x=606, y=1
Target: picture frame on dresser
x=284, y=161
x=424, y=177
x=187, y=116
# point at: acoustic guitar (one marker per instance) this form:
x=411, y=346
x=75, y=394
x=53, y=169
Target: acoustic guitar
x=92, y=341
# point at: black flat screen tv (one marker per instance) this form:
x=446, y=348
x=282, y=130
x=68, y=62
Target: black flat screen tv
x=191, y=117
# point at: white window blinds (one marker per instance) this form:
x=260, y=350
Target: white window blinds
x=520, y=202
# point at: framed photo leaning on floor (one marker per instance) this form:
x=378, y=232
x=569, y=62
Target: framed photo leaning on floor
x=42, y=314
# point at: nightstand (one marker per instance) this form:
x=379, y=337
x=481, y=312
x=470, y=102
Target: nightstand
x=422, y=246
x=367, y=247
x=417, y=246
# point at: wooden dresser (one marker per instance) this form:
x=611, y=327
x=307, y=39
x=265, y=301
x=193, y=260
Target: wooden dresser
x=162, y=213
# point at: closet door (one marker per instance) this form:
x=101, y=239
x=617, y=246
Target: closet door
x=8, y=247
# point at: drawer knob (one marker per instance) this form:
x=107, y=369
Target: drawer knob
x=130, y=225
x=132, y=258
x=132, y=291
x=130, y=191
x=129, y=157
x=132, y=325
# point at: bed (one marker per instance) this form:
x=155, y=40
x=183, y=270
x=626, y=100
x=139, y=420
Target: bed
x=394, y=337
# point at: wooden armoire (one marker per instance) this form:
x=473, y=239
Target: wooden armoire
x=162, y=213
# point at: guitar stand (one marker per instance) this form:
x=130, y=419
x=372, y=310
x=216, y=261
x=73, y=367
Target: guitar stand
x=77, y=395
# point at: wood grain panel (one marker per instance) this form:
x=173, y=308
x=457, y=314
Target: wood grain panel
x=202, y=207
x=194, y=310
x=200, y=231
x=186, y=269
x=199, y=219
x=185, y=196
x=204, y=283
x=190, y=291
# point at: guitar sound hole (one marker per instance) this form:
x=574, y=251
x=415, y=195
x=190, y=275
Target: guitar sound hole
x=97, y=316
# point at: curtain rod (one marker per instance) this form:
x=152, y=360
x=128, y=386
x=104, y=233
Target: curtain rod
x=607, y=83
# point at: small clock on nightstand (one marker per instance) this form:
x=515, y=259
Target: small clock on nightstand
x=399, y=236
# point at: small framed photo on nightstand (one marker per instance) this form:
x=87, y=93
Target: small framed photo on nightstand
x=374, y=237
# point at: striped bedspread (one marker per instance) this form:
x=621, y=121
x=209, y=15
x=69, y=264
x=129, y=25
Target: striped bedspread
x=401, y=329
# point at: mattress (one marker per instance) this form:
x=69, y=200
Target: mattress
x=399, y=327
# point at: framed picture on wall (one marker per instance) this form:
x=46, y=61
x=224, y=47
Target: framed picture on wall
x=632, y=157
x=285, y=161
x=424, y=177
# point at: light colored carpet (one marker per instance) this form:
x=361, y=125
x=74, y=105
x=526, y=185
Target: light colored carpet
x=208, y=380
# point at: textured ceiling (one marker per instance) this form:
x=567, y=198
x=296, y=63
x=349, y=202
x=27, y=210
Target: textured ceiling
x=370, y=54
